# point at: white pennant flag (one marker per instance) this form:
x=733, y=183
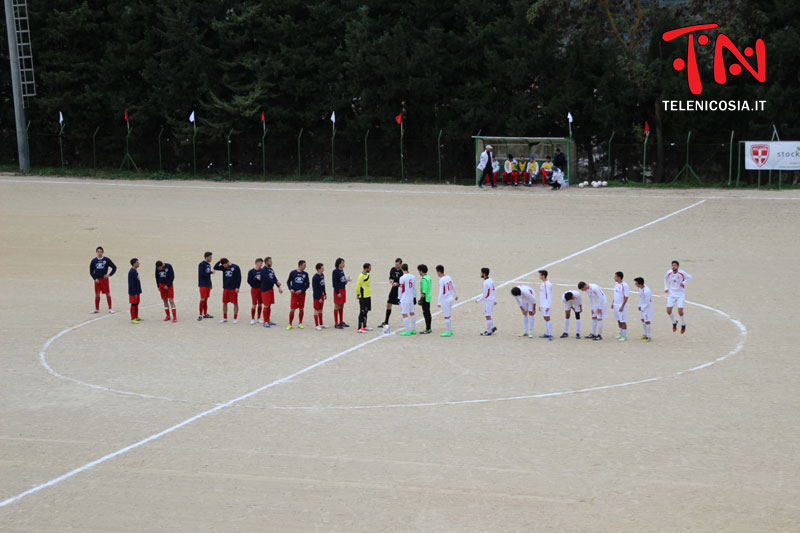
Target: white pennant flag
x=569, y=117
x=60, y=118
x=191, y=117
x=333, y=117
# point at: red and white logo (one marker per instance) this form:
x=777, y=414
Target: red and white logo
x=759, y=153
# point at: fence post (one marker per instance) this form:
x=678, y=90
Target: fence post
x=160, y=165
x=299, y=160
x=229, y=152
x=402, y=166
x=27, y=141
x=61, y=146
x=775, y=135
x=439, y=153
x=366, y=156
x=644, y=157
x=739, y=158
x=730, y=161
x=94, y=151
x=264, y=150
x=194, y=150
x=333, y=135
x=609, y=154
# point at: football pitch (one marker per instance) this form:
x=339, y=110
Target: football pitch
x=188, y=426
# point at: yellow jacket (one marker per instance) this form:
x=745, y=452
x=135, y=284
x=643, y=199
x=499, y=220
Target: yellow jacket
x=362, y=286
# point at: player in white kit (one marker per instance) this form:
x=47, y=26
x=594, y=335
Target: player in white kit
x=598, y=304
x=489, y=299
x=645, y=306
x=447, y=295
x=620, y=306
x=526, y=300
x=407, y=289
x=545, y=304
x=572, y=302
x=675, y=285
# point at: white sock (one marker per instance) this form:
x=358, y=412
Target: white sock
x=624, y=332
x=600, y=327
x=683, y=320
x=405, y=323
x=449, y=323
x=491, y=324
x=413, y=321
x=566, y=325
x=594, y=326
x=525, y=323
x=672, y=317
x=647, y=329
x=548, y=327
x=578, y=326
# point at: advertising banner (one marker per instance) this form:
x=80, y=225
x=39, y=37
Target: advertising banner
x=765, y=155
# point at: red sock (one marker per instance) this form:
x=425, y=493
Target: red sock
x=201, y=308
x=300, y=316
x=133, y=312
x=174, y=314
x=258, y=311
x=137, y=310
x=166, y=310
x=235, y=316
x=225, y=316
x=267, y=313
x=108, y=299
x=291, y=317
x=96, y=302
x=252, y=313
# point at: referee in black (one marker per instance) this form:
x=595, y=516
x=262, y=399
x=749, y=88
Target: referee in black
x=394, y=279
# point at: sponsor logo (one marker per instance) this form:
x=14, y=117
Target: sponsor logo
x=759, y=153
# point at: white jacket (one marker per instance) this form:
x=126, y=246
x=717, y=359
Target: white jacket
x=484, y=160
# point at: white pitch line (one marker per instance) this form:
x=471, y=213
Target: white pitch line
x=229, y=403
x=340, y=189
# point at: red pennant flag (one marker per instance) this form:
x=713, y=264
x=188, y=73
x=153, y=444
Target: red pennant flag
x=399, y=118
x=126, y=115
x=646, y=128
x=262, y=117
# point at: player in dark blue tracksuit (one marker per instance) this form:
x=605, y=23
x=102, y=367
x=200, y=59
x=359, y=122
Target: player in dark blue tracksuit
x=298, y=284
x=231, y=281
x=254, y=280
x=318, y=287
x=204, y=272
x=165, y=276
x=134, y=290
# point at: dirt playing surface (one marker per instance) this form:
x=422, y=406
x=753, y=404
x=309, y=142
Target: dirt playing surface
x=689, y=432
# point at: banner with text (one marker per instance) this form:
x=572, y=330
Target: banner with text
x=765, y=155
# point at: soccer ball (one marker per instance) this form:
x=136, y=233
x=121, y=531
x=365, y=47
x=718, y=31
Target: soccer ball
x=605, y=183
x=581, y=185
x=387, y=329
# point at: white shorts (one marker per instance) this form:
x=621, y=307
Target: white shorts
x=407, y=308
x=447, y=309
x=621, y=316
x=646, y=313
x=600, y=311
x=488, y=307
x=672, y=300
x=527, y=307
x=545, y=312
x=575, y=306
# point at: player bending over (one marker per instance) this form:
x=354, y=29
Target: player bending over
x=99, y=270
x=297, y=284
x=165, y=277
x=620, y=306
x=254, y=280
x=447, y=294
x=572, y=302
x=134, y=290
x=645, y=306
x=231, y=281
x=526, y=300
x=675, y=285
x=489, y=299
x=319, y=295
x=598, y=304
x=408, y=299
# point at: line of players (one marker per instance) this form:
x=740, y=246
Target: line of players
x=403, y=286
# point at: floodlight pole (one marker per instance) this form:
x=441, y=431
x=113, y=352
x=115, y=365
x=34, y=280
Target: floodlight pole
x=16, y=85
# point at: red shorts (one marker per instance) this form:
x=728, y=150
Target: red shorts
x=230, y=296
x=268, y=297
x=101, y=285
x=298, y=301
x=318, y=304
x=205, y=292
x=340, y=297
x=166, y=292
x=133, y=298
x=255, y=295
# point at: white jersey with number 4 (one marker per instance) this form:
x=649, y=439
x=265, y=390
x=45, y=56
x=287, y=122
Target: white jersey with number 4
x=408, y=288
x=675, y=282
x=489, y=292
x=447, y=290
